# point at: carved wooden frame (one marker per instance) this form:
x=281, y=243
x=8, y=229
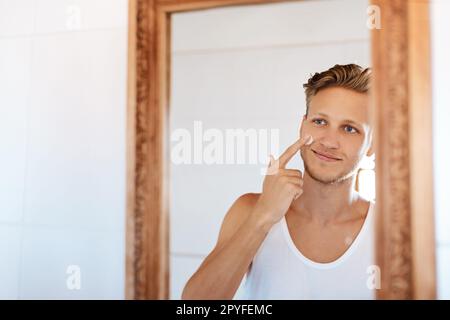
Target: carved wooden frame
x=402, y=113
x=401, y=102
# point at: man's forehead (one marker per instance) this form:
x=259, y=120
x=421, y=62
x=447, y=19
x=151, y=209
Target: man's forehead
x=340, y=111
x=336, y=101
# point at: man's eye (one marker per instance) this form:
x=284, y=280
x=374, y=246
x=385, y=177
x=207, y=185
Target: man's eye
x=318, y=121
x=350, y=129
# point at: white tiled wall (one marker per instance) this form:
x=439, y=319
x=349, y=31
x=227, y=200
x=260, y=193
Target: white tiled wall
x=62, y=147
x=243, y=67
x=440, y=10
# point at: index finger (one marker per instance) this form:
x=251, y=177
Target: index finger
x=292, y=150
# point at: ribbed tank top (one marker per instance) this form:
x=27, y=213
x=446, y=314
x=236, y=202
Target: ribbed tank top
x=280, y=271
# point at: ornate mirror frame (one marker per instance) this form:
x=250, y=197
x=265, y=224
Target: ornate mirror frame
x=401, y=114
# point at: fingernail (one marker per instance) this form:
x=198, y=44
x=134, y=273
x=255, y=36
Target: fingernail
x=309, y=141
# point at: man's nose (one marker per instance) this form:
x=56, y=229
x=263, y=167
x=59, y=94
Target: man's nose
x=329, y=140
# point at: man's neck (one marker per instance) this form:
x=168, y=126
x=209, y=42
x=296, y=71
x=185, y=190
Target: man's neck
x=325, y=203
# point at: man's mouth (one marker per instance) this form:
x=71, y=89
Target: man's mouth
x=325, y=156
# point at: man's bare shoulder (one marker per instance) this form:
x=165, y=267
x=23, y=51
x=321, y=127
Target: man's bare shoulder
x=247, y=200
x=243, y=206
x=236, y=215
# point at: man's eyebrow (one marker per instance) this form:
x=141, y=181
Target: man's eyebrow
x=352, y=122
x=322, y=114
x=347, y=120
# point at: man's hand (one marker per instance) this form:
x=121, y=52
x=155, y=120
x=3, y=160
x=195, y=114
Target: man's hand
x=281, y=186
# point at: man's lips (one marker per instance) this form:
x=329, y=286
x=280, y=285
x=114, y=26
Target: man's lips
x=325, y=156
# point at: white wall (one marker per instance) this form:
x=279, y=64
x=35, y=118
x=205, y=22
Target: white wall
x=440, y=11
x=243, y=67
x=62, y=147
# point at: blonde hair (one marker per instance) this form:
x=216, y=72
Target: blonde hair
x=350, y=76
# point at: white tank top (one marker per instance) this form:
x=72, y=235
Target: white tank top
x=280, y=271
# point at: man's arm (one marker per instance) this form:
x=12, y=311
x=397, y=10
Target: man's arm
x=244, y=228
x=222, y=271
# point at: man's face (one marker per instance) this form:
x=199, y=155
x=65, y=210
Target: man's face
x=338, y=121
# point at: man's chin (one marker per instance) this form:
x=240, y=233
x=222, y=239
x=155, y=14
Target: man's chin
x=325, y=178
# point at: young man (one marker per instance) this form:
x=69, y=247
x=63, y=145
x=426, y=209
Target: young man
x=306, y=236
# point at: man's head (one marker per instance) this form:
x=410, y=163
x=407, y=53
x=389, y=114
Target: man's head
x=337, y=107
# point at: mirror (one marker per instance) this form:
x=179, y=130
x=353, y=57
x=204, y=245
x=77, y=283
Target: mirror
x=236, y=97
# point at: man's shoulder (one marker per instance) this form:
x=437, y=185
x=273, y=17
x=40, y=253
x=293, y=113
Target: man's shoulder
x=242, y=206
x=236, y=215
x=247, y=200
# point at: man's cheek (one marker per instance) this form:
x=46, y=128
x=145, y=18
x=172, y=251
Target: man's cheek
x=306, y=130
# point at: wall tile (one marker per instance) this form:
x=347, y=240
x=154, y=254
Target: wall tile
x=74, y=15
x=253, y=84
x=16, y=17
x=77, y=130
x=48, y=252
x=270, y=25
x=10, y=237
x=15, y=74
x=443, y=272
x=441, y=113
